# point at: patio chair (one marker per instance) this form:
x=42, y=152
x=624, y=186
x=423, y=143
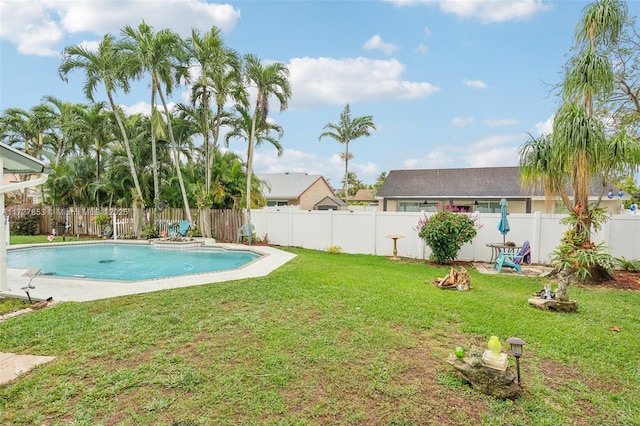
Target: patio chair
x=246, y=231
x=514, y=260
x=184, y=228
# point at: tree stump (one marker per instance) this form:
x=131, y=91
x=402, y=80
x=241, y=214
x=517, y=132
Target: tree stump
x=554, y=305
x=454, y=280
x=497, y=383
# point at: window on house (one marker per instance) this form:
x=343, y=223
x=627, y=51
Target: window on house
x=275, y=203
x=488, y=207
x=417, y=206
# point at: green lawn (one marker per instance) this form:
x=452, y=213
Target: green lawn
x=42, y=239
x=328, y=339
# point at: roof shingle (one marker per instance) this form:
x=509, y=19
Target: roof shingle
x=489, y=182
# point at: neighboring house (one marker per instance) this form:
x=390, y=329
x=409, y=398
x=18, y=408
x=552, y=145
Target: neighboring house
x=364, y=196
x=469, y=189
x=330, y=203
x=34, y=193
x=295, y=189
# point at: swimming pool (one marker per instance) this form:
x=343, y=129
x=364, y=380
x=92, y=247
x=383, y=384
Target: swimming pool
x=126, y=262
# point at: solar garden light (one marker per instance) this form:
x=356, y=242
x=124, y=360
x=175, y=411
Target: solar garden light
x=516, y=351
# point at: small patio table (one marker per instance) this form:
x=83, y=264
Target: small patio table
x=496, y=248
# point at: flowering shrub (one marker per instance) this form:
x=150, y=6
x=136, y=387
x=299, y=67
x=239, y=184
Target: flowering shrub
x=445, y=232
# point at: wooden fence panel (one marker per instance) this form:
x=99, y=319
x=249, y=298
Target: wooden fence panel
x=225, y=224
x=80, y=221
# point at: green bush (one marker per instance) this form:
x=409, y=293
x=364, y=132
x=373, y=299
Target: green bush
x=25, y=225
x=101, y=219
x=632, y=265
x=149, y=232
x=445, y=232
x=577, y=252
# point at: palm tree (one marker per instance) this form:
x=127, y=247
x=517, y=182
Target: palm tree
x=347, y=130
x=94, y=135
x=220, y=78
x=227, y=178
x=31, y=130
x=269, y=80
x=157, y=55
x=579, y=148
x=242, y=127
x=106, y=66
x=65, y=116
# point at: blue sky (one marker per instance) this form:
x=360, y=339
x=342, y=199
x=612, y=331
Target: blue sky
x=450, y=83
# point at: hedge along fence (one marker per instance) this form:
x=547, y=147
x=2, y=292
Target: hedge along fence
x=80, y=221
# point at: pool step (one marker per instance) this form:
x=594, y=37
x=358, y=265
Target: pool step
x=176, y=245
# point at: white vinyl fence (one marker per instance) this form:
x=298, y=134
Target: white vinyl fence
x=366, y=232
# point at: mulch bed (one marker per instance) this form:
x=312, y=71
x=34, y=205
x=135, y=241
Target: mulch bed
x=623, y=280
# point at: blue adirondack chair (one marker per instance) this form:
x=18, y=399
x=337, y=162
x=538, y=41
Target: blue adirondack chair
x=184, y=227
x=514, y=260
x=179, y=229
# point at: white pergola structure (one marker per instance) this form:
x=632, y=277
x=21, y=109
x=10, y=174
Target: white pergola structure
x=15, y=162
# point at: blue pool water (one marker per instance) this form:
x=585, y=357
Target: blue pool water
x=126, y=262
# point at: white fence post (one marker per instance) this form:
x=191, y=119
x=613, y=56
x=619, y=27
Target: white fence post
x=115, y=226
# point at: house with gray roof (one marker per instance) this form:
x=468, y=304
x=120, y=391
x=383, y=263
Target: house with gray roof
x=468, y=189
x=309, y=192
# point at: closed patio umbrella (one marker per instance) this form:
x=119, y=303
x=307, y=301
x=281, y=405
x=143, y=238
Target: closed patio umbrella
x=503, y=225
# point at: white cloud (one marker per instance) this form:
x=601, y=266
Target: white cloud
x=376, y=43
x=427, y=31
x=487, y=11
x=144, y=108
x=421, y=48
x=37, y=27
x=462, y=121
x=496, y=141
x=493, y=151
x=179, y=15
x=140, y=107
x=495, y=10
x=494, y=157
x=368, y=169
x=266, y=160
x=91, y=46
x=475, y=84
x=501, y=123
x=433, y=160
x=329, y=81
x=546, y=127
x=490, y=151
x=30, y=27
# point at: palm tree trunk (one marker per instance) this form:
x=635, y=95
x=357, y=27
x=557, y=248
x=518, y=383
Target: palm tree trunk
x=346, y=174
x=216, y=135
x=207, y=153
x=176, y=156
x=250, y=162
x=138, y=201
x=154, y=151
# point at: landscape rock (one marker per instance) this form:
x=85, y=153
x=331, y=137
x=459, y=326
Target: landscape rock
x=554, y=305
x=496, y=383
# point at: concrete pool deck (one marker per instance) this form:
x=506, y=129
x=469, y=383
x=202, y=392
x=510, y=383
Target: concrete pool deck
x=64, y=289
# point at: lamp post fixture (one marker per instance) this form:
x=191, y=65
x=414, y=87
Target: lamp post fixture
x=516, y=350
